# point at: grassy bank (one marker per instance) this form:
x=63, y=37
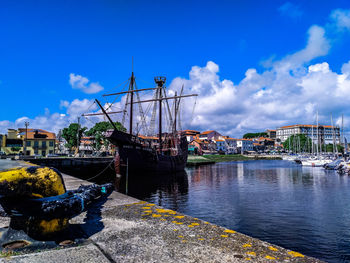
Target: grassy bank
x=226, y=158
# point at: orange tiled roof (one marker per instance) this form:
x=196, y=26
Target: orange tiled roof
x=32, y=132
x=207, y=132
x=193, y=131
x=148, y=137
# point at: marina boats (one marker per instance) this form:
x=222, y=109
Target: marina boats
x=162, y=152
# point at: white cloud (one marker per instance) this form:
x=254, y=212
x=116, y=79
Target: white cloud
x=341, y=18
x=80, y=82
x=291, y=10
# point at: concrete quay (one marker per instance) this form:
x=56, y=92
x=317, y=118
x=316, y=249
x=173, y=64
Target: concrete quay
x=124, y=229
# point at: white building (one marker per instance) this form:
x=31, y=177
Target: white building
x=326, y=133
x=244, y=145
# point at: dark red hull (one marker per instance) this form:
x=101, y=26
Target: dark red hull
x=138, y=158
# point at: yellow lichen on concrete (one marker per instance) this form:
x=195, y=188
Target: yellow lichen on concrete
x=251, y=253
x=248, y=259
x=224, y=235
x=195, y=224
x=296, y=254
x=156, y=215
x=269, y=257
x=150, y=204
x=247, y=245
x=230, y=231
x=179, y=217
x=160, y=210
x=273, y=248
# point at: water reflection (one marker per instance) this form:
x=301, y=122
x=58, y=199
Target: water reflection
x=304, y=209
x=169, y=190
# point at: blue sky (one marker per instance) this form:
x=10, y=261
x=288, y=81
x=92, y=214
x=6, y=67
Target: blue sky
x=51, y=51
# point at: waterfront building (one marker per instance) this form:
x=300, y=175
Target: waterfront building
x=245, y=145
x=36, y=141
x=220, y=145
x=231, y=145
x=210, y=135
x=190, y=134
x=326, y=133
x=271, y=134
x=195, y=147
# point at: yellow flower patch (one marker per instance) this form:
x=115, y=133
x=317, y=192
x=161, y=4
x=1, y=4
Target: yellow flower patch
x=178, y=223
x=150, y=205
x=230, y=231
x=181, y=236
x=179, y=217
x=200, y=238
x=252, y=253
x=247, y=245
x=146, y=207
x=195, y=224
x=269, y=257
x=162, y=219
x=248, y=259
x=273, y=248
x=224, y=235
x=295, y=254
x=190, y=226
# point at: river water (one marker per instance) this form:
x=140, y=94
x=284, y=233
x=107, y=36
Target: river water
x=302, y=209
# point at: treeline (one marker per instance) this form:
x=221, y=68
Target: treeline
x=254, y=135
x=73, y=133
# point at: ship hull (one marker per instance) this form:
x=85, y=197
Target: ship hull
x=134, y=157
x=142, y=160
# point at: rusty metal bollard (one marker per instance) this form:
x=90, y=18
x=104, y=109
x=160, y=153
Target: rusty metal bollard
x=38, y=204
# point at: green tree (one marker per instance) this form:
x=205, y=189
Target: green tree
x=254, y=135
x=98, y=132
x=70, y=134
x=298, y=142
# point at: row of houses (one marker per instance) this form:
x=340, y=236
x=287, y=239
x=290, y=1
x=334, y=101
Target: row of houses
x=28, y=142
x=211, y=142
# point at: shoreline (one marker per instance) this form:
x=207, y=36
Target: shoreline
x=212, y=159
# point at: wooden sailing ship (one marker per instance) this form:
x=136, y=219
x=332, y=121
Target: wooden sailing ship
x=163, y=153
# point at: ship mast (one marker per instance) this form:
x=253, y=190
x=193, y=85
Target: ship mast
x=131, y=89
x=160, y=82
